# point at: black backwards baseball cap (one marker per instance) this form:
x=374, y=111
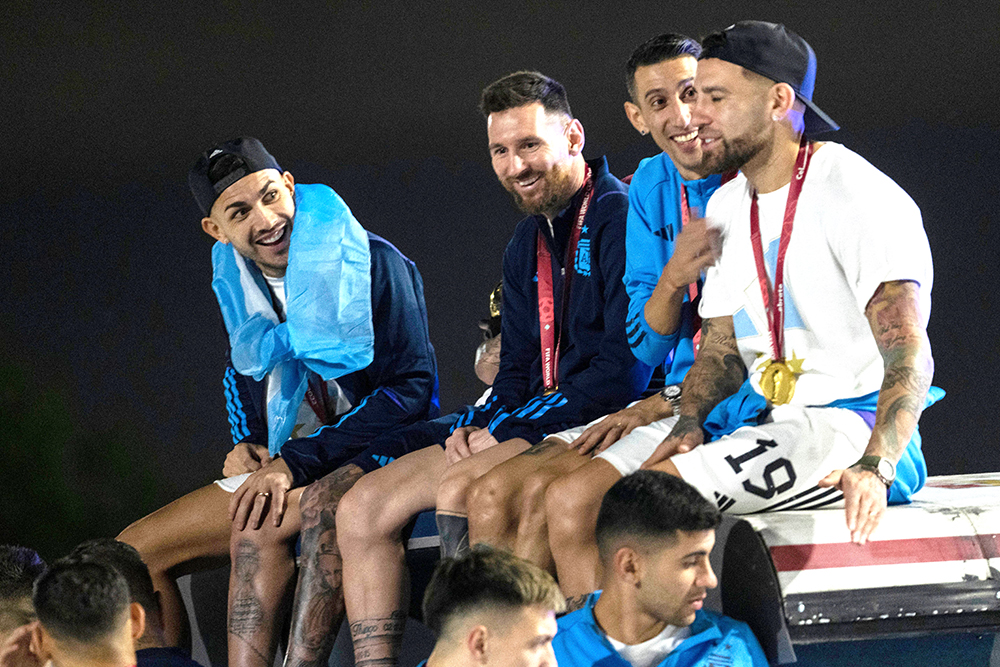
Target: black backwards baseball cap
x=774, y=52
x=224, y=164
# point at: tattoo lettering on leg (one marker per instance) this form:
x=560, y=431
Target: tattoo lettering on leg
x=376, y=639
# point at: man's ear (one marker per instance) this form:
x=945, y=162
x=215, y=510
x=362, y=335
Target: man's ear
x=213, y=230
x=289, y=181
x=782, y=99
x=635, y=117
x=40, y=641
x=627, y=565
x=138, y=616
x=476, y=643
x=574, y=133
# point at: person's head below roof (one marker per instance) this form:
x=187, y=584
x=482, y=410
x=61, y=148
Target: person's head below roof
x=19, y=568
x=85, y=616
x=489, y=607
x=247, y=201
x=522, y=88
x=657, y=50
x=127, y=561
x=654, y=535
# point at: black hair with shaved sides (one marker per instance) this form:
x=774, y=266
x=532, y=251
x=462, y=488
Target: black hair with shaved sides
x=521, y=88
x=486, y=580
x=124, y=558
x=81, y=602
x=662, y=47
x=648, y=507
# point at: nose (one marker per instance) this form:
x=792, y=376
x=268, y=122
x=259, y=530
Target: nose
x=515, y=165
x=549, y=660
x=707, y=576
x=699, y=113
x=682, y=115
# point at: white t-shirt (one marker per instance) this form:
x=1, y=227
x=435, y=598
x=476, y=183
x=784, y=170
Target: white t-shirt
x=652, y=651
x=854, y=229
x=277, y=286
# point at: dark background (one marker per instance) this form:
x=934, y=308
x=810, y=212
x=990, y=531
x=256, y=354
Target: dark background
x=111, y=346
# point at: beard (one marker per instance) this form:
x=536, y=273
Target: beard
x=556, y=192
x=737, y=151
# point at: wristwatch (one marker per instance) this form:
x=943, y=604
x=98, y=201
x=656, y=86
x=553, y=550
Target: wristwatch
x=883, y=468
x=672, y=395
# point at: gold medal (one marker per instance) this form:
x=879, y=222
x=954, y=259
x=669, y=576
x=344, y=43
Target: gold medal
x=778, y=383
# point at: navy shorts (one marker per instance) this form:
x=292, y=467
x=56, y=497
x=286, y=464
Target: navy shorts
x=394, y=444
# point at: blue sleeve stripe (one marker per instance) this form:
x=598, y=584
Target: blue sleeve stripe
x=344, y=416
x=234, y=407
x=497, y=419
x=548, y=406
x=536, y=403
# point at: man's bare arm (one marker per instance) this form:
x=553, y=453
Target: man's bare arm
x=717, y=373
x=900, y=330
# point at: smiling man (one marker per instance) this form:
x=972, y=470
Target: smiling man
x=654, y=534
x=564, y=359
x=328, y=350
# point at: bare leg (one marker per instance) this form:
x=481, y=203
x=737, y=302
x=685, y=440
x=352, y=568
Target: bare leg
x=260, y=586
x=452, y=495
x=532, y=529
x=188, y=535
x=319, y=597
x=494, y=499
x=571, y=504
x=370, y=521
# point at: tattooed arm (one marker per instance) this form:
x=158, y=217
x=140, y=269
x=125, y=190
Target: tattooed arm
x=717, y=373
x=900, y=330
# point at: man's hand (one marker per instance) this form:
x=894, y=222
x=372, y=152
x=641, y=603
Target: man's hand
x=865, y=499
x=17, y=650
x=614, y=427
x=456, y=447
x=694, y=251
x=263, y=491
x=245, y=457
x=480, y=440
x=685, y=436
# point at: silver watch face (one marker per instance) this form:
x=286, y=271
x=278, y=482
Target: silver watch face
x=671, y=392
x=887, y=469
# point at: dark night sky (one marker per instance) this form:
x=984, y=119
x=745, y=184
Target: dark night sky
x=112, y=346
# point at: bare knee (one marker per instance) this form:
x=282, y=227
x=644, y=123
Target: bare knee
x=455, y=486
x=533, y=495
x=570, y=507
x=488, y=499
x=361, y=513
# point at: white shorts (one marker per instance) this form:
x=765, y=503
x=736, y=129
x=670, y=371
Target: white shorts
x=230, y=484
x=631, y=451
x=776, y=465
x=770, y=467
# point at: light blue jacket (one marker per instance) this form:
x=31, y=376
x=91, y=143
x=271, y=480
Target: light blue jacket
x=715, y=640
x=654, y=221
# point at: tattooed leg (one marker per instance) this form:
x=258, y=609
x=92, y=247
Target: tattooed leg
x=318, y=610
x=377, y=640
x=454, y=532
x=260, y=587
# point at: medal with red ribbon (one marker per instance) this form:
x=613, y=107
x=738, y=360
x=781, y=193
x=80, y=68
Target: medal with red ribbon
x=546, y=300
x=777, y=382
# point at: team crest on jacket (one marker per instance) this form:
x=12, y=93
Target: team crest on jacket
x=582, y=263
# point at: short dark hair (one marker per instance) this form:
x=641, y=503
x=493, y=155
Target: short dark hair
x=81, y=601
x=521, y=88
x=19, y=567
x=124, y=558
x=486, y=579
x=650, y=505
x=662, y=47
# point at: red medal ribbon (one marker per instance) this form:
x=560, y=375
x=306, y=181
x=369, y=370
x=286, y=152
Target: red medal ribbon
x=318, y=397
x=774, y=301
x=546, y=301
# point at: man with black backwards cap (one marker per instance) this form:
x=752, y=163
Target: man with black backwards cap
x=821, y=296
x=328, y=349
